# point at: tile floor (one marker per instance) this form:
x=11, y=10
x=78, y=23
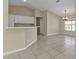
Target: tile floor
x=51, y=47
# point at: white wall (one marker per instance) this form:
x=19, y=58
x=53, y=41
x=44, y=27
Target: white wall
x=52, y=24
x=38, y=13
x=42, y=14
x=20, y=10
x=16, y=38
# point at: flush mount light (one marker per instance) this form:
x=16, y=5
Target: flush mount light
x=57, y=1
x=25, y=0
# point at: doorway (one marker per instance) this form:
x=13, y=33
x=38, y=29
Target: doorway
x=40, y=25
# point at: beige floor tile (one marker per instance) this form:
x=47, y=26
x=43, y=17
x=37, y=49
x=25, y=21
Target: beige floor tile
x=69, y=53
x=44, y=56
x=35, y=46
x=29, y=56
x=53, y=53
x=38, y=51
x=61, y=56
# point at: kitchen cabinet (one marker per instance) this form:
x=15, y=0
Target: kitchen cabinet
x=20, y=20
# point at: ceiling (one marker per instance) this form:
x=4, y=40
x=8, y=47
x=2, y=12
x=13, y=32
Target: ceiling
x=50, y=5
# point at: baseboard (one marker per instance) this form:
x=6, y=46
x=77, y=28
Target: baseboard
x=18, y=50
x=68, y=34
x=52, y=34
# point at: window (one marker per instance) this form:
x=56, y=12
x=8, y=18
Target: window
x=69, y=25
x=73, y=25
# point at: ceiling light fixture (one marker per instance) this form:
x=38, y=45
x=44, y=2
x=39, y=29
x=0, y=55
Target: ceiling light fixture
x=65, y=18
x=25, y=0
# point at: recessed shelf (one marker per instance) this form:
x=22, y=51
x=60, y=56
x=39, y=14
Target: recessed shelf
x=38, y=26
